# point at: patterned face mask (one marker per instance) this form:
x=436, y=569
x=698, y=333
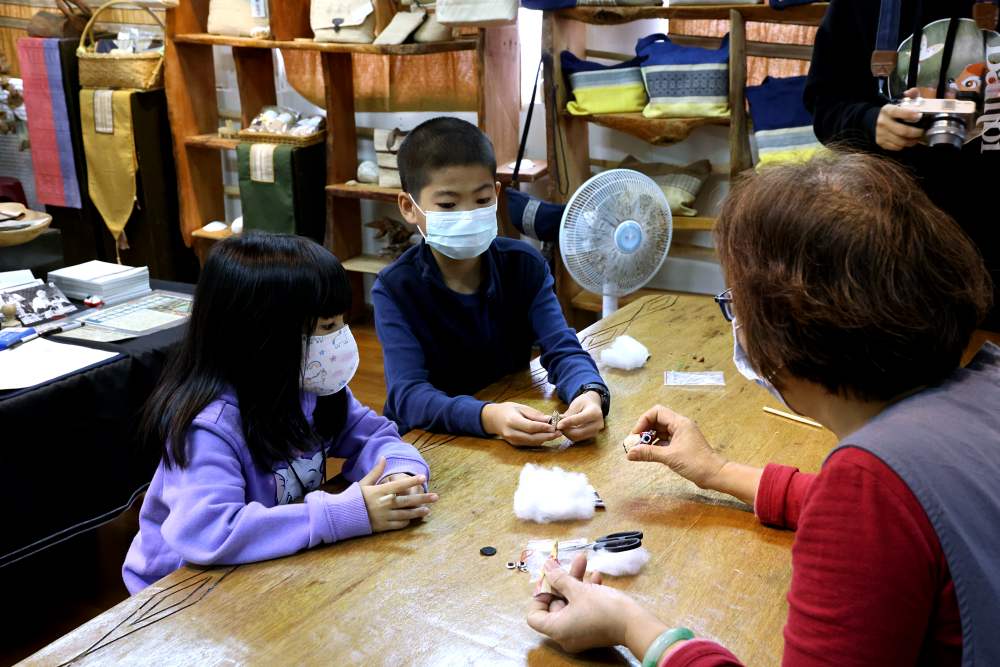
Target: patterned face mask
x=330, y=361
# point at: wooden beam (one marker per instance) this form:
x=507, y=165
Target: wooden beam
x=760, y=49
x=255, y=81
x=343, y=216
x=189, y=80
x=810, y=14
x=307, y=44
x=740, y=158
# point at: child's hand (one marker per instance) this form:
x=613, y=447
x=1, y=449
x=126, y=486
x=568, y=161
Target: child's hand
x=583, y=418
x=392, y=505
x=518, y=424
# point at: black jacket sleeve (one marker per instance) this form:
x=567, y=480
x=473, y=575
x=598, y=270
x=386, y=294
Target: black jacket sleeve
x=840, y=92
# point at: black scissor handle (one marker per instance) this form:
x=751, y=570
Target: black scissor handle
x=624, y=535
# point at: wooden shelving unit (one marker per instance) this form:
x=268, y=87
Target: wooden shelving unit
x=194, y=119
x=567, y=136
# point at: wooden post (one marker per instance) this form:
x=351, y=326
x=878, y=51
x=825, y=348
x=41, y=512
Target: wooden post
x=567, y=138
x=189, y=79
x=384, y=11
x=343, y=215
x=498, y=73
x=740, y=158
x=255, y=80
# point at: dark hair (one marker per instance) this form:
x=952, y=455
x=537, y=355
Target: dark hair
x=439, y=143
x=845, y=274
x=257, y=296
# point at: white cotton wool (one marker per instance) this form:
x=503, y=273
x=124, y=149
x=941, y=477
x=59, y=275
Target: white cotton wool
x=551, y=494
x=624, y=352
x=618, y=564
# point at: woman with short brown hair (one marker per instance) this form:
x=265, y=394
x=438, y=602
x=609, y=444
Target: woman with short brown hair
x=852, y=298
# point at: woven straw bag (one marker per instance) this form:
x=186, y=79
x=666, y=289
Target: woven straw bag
x=141, y=71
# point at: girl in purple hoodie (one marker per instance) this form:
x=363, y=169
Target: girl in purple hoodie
x=249, y=412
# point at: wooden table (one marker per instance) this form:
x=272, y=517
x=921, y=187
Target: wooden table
x=426, y=596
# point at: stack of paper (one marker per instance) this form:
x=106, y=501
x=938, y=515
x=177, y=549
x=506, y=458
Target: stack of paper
x=110, y=282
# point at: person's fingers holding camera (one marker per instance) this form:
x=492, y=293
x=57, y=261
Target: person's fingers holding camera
x=892, y=129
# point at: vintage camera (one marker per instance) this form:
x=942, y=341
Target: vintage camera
x=946, y=122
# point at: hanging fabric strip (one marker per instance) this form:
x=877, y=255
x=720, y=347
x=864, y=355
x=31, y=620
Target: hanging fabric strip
x=111, y=161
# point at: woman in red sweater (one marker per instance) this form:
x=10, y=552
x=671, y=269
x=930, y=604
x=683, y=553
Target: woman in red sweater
x=852, y=298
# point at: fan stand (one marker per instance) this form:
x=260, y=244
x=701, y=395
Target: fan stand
x=609, y=304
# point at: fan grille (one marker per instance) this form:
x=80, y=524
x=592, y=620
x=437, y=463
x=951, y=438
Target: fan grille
x=587, y=232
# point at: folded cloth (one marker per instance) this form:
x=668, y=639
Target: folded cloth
x=108, y=143
x=266, y=187
x=681, y=185
x=684, y=81
x=782, y=126
x=604, y=88
x=49, y=130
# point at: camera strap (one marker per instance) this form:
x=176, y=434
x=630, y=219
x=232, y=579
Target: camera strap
x=949, y=46
x=916, y=38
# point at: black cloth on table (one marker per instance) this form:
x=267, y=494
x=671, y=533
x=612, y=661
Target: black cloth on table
x=70, y=458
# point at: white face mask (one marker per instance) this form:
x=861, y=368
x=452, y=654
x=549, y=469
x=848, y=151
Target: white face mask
x=460, y=234
x=747, y=371
x=329, y=362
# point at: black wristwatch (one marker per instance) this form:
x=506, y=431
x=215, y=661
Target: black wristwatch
x=602, y=391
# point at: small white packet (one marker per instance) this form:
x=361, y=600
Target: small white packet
x=694, y=379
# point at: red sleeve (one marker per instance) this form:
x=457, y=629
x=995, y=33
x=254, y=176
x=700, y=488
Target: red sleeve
x=780, y=495
x=701, y=653
x=867, y=569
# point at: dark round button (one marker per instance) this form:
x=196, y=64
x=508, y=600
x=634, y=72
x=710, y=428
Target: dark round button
x=488, y=551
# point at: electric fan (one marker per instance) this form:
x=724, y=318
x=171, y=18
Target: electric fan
x=615, y=234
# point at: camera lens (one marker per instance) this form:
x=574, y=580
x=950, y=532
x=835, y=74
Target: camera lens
x=947, y=130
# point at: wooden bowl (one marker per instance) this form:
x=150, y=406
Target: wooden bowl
x=39, y=223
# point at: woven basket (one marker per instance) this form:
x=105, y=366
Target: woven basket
x=291, y=140
x=141, y=71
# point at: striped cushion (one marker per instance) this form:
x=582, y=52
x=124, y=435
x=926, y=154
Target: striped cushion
x=684, y=81
x=782, y=126
x=603, y=88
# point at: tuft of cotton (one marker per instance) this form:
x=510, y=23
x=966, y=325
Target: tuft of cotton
x=624, y=352
x=618, y=564
x=552, y=494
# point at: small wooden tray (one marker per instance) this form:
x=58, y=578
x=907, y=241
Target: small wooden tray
x=289, y=139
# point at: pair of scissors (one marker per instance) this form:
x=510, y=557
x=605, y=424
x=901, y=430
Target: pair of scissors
x=613, y=543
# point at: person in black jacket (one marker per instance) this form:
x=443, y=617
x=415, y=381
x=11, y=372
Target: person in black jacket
x=848, y=109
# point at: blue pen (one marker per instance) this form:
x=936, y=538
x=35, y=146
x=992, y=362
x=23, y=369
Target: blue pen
x=11, y=339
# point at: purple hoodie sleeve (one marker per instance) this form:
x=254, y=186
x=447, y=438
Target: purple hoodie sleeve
x=210, y=522
x=366, y=437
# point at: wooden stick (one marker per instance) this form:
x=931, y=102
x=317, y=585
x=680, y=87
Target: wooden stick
x=794, y=418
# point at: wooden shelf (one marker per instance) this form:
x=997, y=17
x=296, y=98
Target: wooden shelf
x=657, y=131
x=693, y=252
x=693, y=224
x=366, y=263
x=363, y=191
x=539, y=169
x=810, y=14
x=211, y=141
x=325, y=47
x=212, y=236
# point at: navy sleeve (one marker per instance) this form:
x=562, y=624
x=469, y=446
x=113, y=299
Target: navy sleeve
x=841, y=93
x=411, y=400
x=569, y=367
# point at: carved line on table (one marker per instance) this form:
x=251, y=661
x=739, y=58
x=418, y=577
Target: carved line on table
x=198, y=586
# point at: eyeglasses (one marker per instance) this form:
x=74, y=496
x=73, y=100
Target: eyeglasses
x=725, y=301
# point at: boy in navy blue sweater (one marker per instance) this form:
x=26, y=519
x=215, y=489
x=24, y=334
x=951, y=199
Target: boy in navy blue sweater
x=463, y=308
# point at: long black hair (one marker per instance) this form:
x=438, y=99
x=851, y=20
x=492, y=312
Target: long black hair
x=257, y=296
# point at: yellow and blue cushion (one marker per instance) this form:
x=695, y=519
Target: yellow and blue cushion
x=603, y=88
x=684, y=81
x=782, y=126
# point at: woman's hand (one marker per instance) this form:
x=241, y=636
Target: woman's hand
x=393, y=504
x=688, y=453
x=518, y=424
x=589, y=614
x=583, y=418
